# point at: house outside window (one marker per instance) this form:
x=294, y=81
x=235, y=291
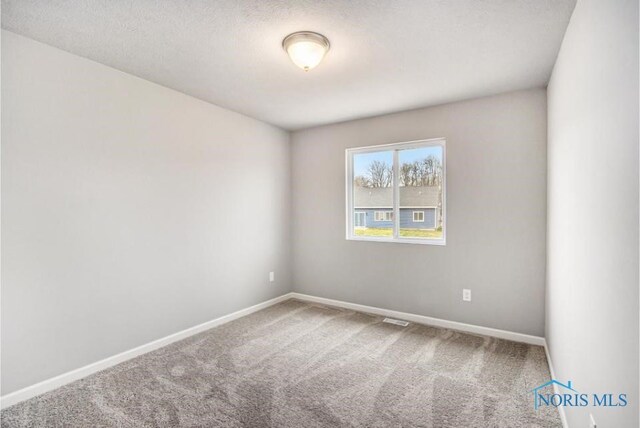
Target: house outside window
x=401, y=189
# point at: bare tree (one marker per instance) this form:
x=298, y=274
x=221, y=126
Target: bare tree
x=379, y=174
x=427, y=172
x=362, y=181
x=405, y=174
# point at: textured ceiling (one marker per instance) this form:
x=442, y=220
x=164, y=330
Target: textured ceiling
x=386, y=55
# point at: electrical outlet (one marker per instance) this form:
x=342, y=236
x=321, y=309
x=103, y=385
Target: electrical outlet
x=466, y=294
x=592, y=422
x=272, y=276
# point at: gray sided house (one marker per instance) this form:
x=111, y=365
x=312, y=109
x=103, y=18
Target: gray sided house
x=419, y=207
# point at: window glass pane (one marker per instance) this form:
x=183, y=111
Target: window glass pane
x=420, y=185
x=373, y=194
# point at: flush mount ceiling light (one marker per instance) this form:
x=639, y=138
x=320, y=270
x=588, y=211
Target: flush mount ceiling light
x=306, y=48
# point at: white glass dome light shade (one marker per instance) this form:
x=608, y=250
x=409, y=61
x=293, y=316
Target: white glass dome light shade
x=306, y=49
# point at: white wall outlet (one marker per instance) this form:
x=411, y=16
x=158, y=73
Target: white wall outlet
x=592, y=422
x=272, y=276
x=466, y=294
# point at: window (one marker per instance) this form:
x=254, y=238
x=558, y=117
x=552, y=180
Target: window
x=360, y=219
x=396, y=192
x=383, y=216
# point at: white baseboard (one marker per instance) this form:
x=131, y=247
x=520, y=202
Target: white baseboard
x=65, y=378
x=563, y=416
x=453, y=325
x=421, y=319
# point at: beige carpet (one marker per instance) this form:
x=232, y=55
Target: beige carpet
x=297, y=364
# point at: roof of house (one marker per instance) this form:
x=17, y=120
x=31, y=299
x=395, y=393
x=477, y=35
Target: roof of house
x=382, y=197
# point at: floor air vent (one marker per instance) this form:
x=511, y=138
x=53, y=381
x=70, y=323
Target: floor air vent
x=396, y=322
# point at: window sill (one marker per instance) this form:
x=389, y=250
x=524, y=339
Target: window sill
x=437, y=242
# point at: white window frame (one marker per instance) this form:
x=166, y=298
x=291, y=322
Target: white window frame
x=395, y=147
x=414, y=216
x=388, y=216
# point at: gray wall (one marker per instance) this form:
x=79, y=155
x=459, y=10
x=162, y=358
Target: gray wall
x=129, y=212
x=592, y=288
x=496, y=208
